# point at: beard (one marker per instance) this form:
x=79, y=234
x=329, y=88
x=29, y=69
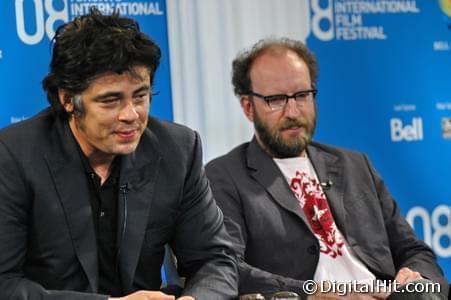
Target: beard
x=274, y=142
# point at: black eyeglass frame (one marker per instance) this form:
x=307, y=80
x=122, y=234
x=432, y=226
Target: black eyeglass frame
x=268, y=99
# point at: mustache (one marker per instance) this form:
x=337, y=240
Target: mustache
x=293, y=123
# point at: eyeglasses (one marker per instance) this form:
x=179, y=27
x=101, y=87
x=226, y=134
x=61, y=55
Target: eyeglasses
x=278, y=102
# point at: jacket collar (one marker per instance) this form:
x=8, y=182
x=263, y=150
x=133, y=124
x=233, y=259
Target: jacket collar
x=328, y=167
x=139, y=173
x=71, y=185
x=137, y=169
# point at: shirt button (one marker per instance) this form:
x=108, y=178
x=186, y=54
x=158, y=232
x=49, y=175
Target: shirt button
x=312, y=249
x=102, y=213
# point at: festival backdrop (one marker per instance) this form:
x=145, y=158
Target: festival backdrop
x=385, y=89
x=384, y=86
x=27, y=27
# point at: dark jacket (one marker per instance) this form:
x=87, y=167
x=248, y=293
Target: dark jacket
x=276, y=249
x=47, y=239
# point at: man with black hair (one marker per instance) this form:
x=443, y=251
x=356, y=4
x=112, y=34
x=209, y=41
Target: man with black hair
x=92, y=188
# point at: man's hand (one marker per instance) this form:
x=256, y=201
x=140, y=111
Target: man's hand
x=146, y=295
x=151, y=295
x=406, y=275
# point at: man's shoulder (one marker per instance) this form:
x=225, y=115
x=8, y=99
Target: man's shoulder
x=233, y=158
x=30, y=130
x=170, y=132
x=170, y=139
x=160, y=125
x=333, y=150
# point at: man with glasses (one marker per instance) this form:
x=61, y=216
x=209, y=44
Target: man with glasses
x=299, y=210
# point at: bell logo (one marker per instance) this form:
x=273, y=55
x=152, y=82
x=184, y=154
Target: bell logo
x=409, y=132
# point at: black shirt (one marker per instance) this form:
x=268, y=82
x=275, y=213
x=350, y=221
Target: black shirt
x=104, y=200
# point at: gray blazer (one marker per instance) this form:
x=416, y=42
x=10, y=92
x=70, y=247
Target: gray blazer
x=276, y=249
x=47, y=237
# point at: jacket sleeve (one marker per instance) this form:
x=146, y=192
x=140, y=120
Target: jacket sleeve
x=407, y=250
x=201, y=243
x=15, y=199
x=252, y=279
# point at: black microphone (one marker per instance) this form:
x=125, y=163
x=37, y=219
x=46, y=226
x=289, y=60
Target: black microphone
x=327, y=184
x=124, y=188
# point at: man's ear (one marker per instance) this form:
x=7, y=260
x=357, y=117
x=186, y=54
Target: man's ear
x=66, y=100
x=246, y=105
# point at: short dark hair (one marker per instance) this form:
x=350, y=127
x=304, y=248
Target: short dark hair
x=242, y=64
x=92, y=45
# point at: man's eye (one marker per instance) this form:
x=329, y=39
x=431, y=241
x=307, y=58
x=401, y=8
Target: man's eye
x=276, y=99
x=141, y=98
x=110, y=101
x=302, y=94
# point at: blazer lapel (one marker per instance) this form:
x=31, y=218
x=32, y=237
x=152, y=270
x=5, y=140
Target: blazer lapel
x=69, y=177
x=139, y=171
x=266, y=172
x=328, y=168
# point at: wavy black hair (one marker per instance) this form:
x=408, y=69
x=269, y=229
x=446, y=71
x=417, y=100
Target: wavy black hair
x=92, y=45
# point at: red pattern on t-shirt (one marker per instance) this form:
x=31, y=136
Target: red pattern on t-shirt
x=313, y=202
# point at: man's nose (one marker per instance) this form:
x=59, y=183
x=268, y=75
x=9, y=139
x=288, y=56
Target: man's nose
x=128, y=112
x=291, y=109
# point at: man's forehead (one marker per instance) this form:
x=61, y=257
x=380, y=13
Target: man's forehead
x=137, y=76
x=278, y=56
x=276, y=64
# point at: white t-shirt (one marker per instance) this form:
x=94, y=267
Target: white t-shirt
x=337, y=262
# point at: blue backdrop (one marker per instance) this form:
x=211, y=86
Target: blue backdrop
x=385, y=89
x=26, y=29
x=384, y=86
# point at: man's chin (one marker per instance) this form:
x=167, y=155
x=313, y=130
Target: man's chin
x=125, y=149
x=293, y=149
x=300, y=142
